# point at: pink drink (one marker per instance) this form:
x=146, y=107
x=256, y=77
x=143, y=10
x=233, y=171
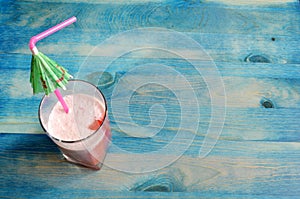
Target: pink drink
x=83, y=134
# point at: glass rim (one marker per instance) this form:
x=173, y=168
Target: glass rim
x=82, y=139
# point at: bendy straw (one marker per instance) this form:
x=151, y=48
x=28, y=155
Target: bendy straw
x=46, y=75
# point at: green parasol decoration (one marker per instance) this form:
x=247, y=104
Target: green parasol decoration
x=46, y=75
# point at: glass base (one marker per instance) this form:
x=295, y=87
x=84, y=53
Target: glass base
x=95, y=167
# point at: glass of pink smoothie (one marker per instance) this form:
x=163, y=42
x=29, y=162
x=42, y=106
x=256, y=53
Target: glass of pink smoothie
x=83, y=134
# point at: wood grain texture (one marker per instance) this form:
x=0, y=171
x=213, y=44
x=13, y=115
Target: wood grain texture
x=255, y=46
x=33, y=162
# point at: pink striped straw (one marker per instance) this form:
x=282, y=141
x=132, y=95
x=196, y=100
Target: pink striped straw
x=41, y=36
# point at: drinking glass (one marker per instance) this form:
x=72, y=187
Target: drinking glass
x=90, y=146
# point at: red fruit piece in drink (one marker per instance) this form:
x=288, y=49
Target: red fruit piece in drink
x=95, y=125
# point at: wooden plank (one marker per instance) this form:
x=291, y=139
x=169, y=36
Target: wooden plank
x=222, y=48
x=20, y=65
x=266, y=169
x=205, y=17
x=276, y=125
x=256, y=3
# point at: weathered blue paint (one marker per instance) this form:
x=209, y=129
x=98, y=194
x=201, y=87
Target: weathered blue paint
x=256, y=50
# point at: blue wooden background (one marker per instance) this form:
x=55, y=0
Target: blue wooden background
x=255, y=46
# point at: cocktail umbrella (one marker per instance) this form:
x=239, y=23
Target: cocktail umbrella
x=46, y=75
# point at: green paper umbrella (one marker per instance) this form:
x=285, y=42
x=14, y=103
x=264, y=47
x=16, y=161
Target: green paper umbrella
x=46, y=75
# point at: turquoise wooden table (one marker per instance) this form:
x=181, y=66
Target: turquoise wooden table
x=203, y=98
